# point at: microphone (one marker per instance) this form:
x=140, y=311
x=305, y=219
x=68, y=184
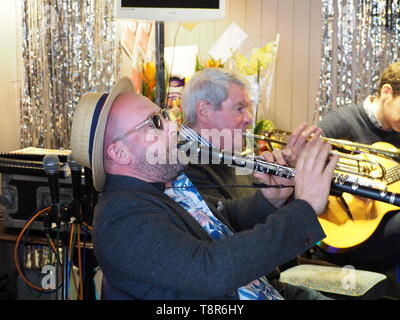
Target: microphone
x=51, y=164
x=76, y=178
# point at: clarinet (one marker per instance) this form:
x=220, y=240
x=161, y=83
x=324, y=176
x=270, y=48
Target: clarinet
x=359, y=186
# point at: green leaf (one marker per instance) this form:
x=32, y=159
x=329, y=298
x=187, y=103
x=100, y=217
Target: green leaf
x=264, y=126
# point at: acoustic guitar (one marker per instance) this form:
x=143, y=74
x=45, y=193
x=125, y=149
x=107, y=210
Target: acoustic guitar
x=350, y=220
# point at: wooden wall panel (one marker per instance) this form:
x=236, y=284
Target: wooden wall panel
x=238, y=12
x=222, y=25
x=269, y=28
x=284, y=71
x=253, y=24
x=300, y=64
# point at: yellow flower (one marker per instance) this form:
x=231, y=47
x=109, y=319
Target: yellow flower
x=149, y=79
x=150, y=70
x=211, y=63
x=260, y=59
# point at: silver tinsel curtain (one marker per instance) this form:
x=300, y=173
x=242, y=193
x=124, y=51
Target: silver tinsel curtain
x=359, y=39
x=69, y=48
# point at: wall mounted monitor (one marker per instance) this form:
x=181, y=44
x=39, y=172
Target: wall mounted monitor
x=171, y=10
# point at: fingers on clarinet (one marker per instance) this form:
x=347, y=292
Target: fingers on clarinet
x=268, y=156
x=279, y=157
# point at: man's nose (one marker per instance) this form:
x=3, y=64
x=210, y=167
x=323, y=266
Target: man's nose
x=248, y=116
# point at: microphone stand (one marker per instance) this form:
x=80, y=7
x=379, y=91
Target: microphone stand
x=51, y=165
x=76, y=177
x=65, y=251
x=89, y=198
x=81, y=210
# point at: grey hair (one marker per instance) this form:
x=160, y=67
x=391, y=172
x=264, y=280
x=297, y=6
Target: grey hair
x=210, y=85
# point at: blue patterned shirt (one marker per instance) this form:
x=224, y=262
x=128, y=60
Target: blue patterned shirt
x=185, y=193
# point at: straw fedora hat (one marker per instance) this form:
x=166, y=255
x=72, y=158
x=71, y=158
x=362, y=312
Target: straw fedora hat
x=88, y=127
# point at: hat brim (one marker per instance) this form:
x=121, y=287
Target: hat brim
x=124, y=85
x=88, y=129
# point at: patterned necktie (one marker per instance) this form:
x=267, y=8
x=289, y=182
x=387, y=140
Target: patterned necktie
x=183, y=192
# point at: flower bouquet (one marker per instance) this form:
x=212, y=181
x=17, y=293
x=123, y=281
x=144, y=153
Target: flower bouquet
x=258, y=69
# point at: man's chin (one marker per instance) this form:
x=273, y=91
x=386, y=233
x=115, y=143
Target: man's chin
x=159, y=172
x=171, y=171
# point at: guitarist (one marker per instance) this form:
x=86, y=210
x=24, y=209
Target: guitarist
x=375, y=120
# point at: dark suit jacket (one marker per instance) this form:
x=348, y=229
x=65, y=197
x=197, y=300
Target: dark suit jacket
x=220, y=175
x=218, y=181
x=148, y=246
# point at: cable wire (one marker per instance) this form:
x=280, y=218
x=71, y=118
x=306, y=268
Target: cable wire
x=16, y=252
x=80, y=263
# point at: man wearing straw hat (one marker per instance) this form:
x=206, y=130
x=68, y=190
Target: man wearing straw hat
x=156, y=238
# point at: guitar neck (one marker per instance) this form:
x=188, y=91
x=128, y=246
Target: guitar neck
x=392, y=175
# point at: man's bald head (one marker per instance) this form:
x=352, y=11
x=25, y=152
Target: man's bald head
x=128, y=155
x=127, y=111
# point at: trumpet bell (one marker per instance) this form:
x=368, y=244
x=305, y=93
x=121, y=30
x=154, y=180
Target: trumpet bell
x=352, y=164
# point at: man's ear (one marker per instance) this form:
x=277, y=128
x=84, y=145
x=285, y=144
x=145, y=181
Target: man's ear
x=119, y=153
x=386, y=91
x=203, y=111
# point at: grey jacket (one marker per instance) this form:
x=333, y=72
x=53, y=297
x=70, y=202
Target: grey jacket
x=148, y=246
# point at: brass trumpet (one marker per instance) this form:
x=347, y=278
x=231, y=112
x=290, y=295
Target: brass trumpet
x=340, y=182
x=348, y=163
x=354, y=147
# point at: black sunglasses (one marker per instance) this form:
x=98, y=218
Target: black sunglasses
x=155, y=122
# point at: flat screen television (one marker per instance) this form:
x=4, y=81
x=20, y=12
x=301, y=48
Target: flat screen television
x=171, y=10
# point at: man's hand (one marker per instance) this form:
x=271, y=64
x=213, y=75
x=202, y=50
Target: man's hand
x=276, y=196
x=313, y=177
x=298, y=140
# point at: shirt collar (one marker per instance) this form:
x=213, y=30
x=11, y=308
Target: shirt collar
x=370, y=110
x=119, y=183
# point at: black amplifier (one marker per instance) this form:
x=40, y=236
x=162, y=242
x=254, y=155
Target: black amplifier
x=25, y=187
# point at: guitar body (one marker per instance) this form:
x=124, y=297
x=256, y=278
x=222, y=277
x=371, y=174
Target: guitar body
x=346, y=231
